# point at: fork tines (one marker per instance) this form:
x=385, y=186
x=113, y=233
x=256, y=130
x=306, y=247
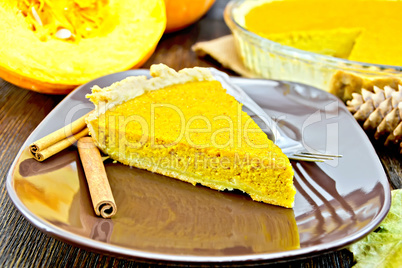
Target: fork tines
x=313, y=157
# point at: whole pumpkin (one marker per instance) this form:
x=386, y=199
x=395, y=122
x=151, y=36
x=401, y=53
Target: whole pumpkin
x=182, y=13
x=52, y=46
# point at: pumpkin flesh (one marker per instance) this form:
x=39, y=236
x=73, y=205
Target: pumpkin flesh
x=103, y=37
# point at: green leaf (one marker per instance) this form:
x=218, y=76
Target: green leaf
x=393, y=222
x=384, y=247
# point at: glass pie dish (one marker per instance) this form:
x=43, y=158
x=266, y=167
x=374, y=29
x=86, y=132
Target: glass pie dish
x=271, y=60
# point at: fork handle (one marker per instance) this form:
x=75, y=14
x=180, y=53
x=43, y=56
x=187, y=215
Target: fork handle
x=241, y=96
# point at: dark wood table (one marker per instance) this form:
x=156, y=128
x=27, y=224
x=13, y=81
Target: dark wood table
x=22, y=245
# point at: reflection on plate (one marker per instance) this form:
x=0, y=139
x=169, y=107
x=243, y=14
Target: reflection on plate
x=156, y=213
x=160, y=218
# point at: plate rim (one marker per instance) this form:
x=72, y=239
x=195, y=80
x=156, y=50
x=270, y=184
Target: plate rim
x=106, y=248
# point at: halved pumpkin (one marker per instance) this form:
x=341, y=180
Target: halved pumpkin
x=54, y=46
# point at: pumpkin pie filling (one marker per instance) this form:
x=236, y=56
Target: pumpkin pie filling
x=184, y=125
x=364, y=31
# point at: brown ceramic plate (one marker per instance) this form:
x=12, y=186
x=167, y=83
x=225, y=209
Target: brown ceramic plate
x=163, y=219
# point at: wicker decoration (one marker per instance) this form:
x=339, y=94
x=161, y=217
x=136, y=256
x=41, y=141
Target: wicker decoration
x=380, y=112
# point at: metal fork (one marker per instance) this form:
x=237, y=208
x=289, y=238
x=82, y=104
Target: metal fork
x=291, y=148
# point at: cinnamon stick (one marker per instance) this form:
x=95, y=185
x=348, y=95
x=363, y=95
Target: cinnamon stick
x=59, y=146
x=59, y=140
x=98, y=184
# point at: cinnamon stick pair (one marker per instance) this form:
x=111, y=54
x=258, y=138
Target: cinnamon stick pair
x=91, y=159
x=59, y=140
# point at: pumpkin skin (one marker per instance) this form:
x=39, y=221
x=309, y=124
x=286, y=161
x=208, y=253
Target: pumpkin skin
x=126, y=38
x=183, y=13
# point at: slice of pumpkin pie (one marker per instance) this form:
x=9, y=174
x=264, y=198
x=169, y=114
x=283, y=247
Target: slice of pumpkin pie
x=184, y=125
